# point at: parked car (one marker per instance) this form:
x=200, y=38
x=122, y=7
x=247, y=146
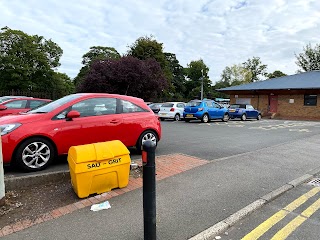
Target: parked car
x=171, y=110
x=244, y=111
x=6, y=98
x=155, y=107
x=22, y=104
x=32, y=140
x=205, y=110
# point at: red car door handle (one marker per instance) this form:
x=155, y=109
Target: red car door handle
x=114, y=121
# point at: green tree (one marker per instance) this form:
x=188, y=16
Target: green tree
x=27, y=61
x=101, y=53
x=232, y=76
x=309, y=59
x=256, y=68
x=236, y=75
x=95, y=53
x=177, y=77
x=63, y=85
x=147, y=47
x=276, y=74
x=218, y=85
x=195, y=71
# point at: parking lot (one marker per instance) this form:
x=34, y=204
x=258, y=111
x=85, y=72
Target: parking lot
x=216, y=140
x=222, y=139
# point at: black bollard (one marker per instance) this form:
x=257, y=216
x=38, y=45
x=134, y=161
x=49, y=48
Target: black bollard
x=149, y=190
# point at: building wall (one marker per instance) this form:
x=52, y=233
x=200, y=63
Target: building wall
x=285, y=109
x=260, y=102
x=297, y=109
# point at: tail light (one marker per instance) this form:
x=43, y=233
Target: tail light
x=172, y=110
x=200, y=109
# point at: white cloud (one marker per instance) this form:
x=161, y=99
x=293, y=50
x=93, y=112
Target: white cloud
x=221, y=32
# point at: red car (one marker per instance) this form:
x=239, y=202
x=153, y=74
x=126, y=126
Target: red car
x=33, y=139
x=21, y=104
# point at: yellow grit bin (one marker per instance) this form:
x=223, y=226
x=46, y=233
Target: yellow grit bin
x=99, y=167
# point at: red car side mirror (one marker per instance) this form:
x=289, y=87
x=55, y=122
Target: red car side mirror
x=73, y=114
x=3, y=107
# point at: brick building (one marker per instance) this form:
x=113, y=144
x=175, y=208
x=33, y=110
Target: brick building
x=294, y=96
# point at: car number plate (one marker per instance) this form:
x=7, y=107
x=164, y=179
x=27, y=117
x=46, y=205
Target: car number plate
x=163, y=114
x=232, y=110
x=189, y=115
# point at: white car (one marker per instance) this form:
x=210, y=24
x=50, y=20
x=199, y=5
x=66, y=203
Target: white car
x=171, y=110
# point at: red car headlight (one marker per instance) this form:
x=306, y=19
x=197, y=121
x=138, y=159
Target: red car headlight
x=7, y=128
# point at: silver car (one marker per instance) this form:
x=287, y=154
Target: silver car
x=171, y=110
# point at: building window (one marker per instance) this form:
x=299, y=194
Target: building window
x=310, y=100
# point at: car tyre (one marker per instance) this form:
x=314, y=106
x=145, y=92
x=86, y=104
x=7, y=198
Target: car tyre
x=146, y=135
x=205, y=118
x=225, y=117
x=34, y=154
x=259, y=117
x=187, y=120
x=177, y=117
x=162, y=119
x=243, y=117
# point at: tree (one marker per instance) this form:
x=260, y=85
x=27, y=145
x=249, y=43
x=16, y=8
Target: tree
x=148, y=48
x=128, y=76
x=27, y=60
x=99, y=52
x=177, y=77
x=232, y=76
x=309, y=59
x=256, y=68
x=276, y=74
x=236, y=75
x=218, y=85
x=195, y=71
x=95, y=53
x=63, y=85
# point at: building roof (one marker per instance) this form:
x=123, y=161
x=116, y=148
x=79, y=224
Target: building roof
x=306, y=80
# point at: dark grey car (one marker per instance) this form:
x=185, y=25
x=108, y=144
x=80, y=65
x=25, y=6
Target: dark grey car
x=155, y=107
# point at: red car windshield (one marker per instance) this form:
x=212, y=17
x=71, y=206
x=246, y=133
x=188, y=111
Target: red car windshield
x=55, y=104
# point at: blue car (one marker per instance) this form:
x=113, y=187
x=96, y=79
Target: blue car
x=205, y=110
x=244, y=111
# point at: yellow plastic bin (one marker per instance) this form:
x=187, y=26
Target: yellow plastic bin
x=99, y=167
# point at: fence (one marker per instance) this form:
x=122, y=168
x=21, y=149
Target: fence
x=47, y=95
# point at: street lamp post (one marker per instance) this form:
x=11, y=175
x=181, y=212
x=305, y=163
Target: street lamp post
x=202, y=84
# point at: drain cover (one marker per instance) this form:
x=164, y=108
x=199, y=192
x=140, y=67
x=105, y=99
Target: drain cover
x=315, y=182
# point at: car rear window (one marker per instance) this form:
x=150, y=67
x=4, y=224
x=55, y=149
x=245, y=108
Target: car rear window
x=193, y=103
x=155, y=105
x=237, y=106
x=167, y=105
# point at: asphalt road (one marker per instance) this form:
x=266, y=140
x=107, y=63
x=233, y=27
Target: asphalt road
x=216, y=139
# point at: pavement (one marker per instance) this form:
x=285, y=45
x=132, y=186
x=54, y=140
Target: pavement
x=197, y=198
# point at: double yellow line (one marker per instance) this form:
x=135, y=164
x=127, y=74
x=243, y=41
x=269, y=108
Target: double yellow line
x=290, y=227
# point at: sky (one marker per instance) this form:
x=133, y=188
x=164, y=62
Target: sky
x=220, y=32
